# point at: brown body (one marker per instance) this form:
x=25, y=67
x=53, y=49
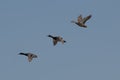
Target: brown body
x=29, y=55
x=81, y=21
x=57, y=39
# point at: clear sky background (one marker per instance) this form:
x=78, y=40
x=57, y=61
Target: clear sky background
x=91, y=53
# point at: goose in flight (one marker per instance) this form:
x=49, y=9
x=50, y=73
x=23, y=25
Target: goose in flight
x=81, y=21
x=29, y=55
x=57, y=39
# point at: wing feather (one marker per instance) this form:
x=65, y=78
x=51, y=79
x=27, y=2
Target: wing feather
x=86, y=18
x=80, y=18
x=54, y=42
x=30, y=58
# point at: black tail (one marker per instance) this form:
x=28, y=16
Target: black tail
x=50, y=36
x=64, y=41
x=23, y=54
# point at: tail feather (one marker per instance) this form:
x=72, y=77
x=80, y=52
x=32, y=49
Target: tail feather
x=64, y=41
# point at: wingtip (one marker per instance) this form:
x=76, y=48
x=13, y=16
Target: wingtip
x=90, y=15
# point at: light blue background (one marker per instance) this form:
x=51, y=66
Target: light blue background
x=91, y=53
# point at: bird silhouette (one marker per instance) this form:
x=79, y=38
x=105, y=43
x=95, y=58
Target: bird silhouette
x=57, y=39
x=29, y=55
x=81, y=21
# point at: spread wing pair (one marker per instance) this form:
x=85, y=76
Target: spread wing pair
x=81, y=21
x=57, y=39
x=29, y=55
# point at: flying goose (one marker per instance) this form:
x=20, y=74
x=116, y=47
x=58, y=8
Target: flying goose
x=81, y=21
x=29, y=55
x=57, y=39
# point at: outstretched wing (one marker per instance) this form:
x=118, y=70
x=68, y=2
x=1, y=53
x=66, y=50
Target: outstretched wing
x=54, y=42
x=79, y=18
x=86, y=18
x=30, y=57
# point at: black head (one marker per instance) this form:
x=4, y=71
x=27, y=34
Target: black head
x=23, y=54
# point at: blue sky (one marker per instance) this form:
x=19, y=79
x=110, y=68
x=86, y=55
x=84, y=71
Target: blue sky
x=91, y=53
